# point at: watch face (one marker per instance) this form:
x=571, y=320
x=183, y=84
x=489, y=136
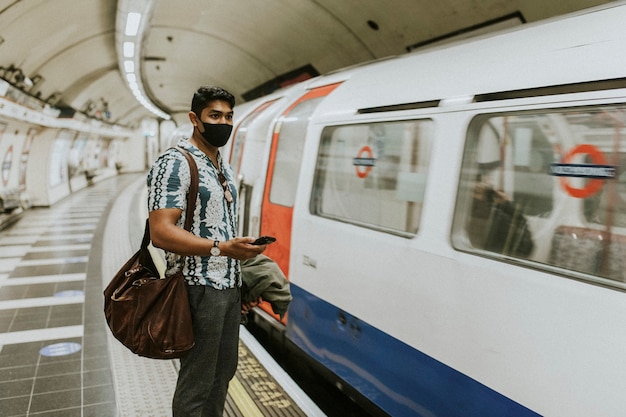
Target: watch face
x=215, y=251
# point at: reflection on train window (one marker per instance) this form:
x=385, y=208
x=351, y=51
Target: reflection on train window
x=608, y=206
x=292, y=132
x=548, y=186
x=374, y=174
x=241, y=134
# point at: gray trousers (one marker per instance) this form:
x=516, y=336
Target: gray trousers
x=206, y=370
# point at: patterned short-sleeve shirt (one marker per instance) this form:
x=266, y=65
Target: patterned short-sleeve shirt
x=214, y=218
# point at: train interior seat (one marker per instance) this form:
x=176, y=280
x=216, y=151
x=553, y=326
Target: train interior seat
x=591, y=251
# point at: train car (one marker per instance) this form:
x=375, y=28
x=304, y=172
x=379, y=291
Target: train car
x=453, y=221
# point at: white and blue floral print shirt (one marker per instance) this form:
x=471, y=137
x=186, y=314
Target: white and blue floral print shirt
x=214, y=218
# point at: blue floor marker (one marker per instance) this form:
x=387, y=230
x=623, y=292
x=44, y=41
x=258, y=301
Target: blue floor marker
x=60, y=349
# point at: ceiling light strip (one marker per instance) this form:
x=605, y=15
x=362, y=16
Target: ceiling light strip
x=132, y=16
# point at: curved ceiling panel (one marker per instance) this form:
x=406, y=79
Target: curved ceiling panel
x=38, y=31
x=87, y=57
x=176, y=68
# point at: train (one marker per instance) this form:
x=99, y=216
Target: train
x=452, y=221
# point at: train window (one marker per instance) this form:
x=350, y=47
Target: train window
x=548, y=186
x=374, y=174
x=288, y=155
x=241, y=134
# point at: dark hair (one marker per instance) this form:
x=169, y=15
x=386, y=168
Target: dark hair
x=206, y=94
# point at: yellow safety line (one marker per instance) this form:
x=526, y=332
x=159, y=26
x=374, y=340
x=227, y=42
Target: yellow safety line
x=244, y=402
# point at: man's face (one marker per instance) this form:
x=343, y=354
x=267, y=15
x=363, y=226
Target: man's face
x=217, y=112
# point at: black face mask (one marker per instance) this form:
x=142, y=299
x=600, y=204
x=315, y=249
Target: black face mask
x=216, y=134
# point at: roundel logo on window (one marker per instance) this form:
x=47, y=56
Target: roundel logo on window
x=596, y=172
x=364, y=162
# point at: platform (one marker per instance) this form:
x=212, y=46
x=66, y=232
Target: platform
x=57, y=357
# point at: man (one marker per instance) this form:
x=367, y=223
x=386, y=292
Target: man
x=210, y=253
x=497, y=224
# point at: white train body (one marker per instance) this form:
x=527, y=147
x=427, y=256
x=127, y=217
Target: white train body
x=396, y=292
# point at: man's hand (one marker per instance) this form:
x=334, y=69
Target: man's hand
x=245, y=307
x=241, y=248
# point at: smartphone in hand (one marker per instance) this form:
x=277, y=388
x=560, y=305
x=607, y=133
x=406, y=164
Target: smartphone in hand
x=264, y=240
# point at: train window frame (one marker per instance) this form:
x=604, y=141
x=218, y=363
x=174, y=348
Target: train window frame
x=364, y=160
x=240, y=136
x=582, y=230
x=283, y=182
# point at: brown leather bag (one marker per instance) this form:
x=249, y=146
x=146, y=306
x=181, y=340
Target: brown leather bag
x=149, y=315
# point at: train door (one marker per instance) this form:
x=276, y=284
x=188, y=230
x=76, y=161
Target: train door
x=241, y=134
x=248, y=135
x=283, y=170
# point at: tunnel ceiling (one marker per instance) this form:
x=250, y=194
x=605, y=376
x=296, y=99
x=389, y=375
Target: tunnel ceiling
x=65, y=51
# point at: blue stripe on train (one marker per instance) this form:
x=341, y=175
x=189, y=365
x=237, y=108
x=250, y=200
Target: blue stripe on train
x=399, y=379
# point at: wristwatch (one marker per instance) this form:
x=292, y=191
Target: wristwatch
x=215, y=250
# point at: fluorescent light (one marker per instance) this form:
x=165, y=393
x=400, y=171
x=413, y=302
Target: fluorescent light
x=129, y=49
x=132, y=23
x=129, y=35
x=129, y=66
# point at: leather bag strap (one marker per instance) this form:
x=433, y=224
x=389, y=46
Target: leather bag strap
x=193, y=188
x=146, y=236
